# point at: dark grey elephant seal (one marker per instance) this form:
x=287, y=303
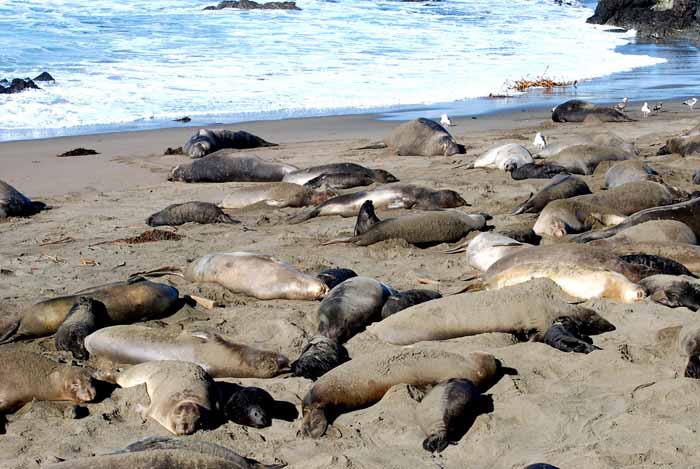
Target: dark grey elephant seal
x=566, y=334
x=562, y=186
x=347, y=170
x=14, y=204
x=674, y=291
x=320, y=356
x=584, y=159
x=541, y=465
x=340, y=181
x=84, y=318
x=250, y=406
x=444, y=412
x=190, y=212
x=208, y=141
x=689, y=343
x=350, y=307
x=537, y=171
x=405, y=299
x=576, y=110
x=629, y=171
x=652, y=264
x=223, y=166
x=334, y=277
x=422, y=137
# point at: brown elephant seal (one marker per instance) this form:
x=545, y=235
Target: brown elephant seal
x=444, y=412
x=686, y=254
x=126, y=302
x=14, y=204
x=217, y=355
x=320, y=356
x=537, y=171
x=563, y=186
x=184, y=398
x=422, y=137
x=208, y=141
x=392, y=196
x=687, y=144
x=525, y=310
x=689, y=343
x=348, y=170
x=223, y=166
x=250, y=406
x=674, y=291
x=504, y=157
x=189, y=212
x=628, y=171
x=605, y=139
x=350, y=307
x=654, y=231
x=687, y=212
x=276, y=194
x=334, y=277
x=399, y=301
x=363, y=381
x=584, y=159
x=576, y=110
x=28, y=376
x=84, y=318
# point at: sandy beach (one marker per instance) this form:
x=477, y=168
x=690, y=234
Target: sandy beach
x=626, y=405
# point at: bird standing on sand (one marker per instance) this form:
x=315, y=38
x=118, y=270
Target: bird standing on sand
x=539, y=141
x=645, y=110
x=445, y=121
x=690, y=103
x=621, y=106
x=657, y=107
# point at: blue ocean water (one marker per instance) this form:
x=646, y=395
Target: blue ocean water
x=137, y=64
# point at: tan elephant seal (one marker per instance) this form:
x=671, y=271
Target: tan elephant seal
x=674, y=291
x=605, y=139
x=686, y=254
x=505, y=157
x=364, y=380
x=689, y=343
x=486, y=248
x=687, y=144
x=422, y=137
x=654, y=231
x=349, y=171
x=276, y=194
x=225, y=166
x=628, y=171
x=584, y=159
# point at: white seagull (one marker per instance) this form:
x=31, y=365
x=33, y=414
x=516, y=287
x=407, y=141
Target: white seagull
x=690, y=103
x=445, y=121
x=621, y=106
x=539, y=141
x=646, y=110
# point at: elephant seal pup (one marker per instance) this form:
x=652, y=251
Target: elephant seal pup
x=350, y=306
x=422, y=137
x=334, y=277
x=505, y=157
x=584, y=159
x=562, y=186
x=348, y=170
x=486, y=248
x=628, y=171
x=566, y=335
x=320, y=356
x=444, y=412
x=183, y=396
x=208, y=141
x=217, y=355
x=576, y=110
x=250, y=406
x=223, y=166
x=28, y=376
x=537, y=171
x=689, y=343
x=363, y=381
x=399, y=301
x=126, y=302
x=189, y=212
x=276, y=194
x=674, y=291
x=84, y=318
x=392, y=196
x=526, y=310
x=655, y=231
x=14, y=204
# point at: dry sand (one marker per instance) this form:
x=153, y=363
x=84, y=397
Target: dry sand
x=624, y=406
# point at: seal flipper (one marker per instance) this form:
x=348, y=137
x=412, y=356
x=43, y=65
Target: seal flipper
x=692, y=370
x=225, y=218
x=305, y=215
x=9, y=334
x=372, y=146
x=365, y=218
x=564, y=335
x=435, y=443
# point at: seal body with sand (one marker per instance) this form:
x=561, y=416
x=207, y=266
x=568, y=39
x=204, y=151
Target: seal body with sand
x=217, y=355
x=320, y=356
x=349, y=170
x=655, y=231
x=562, y=186
x=189, y=212
x=84, y=318
x=505, y=157
x=422, y=137
x=537, y=171
x=685, y=254
x=28, y=376
x=576, y=110
x=628, y=171
x=183, y=396
x=126, y=302
x=605, y=139
x=527, y=311
x=487, y=248
x=674, y=291
x=276, y=194
x=399, y=301
x=584, y=159
x=222, y=166
x=689, y=343
x=14, y=204
x=364, y=380
x=687, y=144
x=393, y=196
x=208, y=141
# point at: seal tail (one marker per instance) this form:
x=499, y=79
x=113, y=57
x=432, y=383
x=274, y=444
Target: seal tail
x=225, y=218
x=525, y=207
x=160, y=272
x=9, y=334
x=304, y=216
x=461, y=247
x=474, y=285
x=366, y=218
x=372, y=146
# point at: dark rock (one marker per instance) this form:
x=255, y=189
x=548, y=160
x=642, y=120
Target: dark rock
x=251, y=5
x=45, y=76
x=78, y=152
x=656, y=18
x=173, y=151
x=18, y=85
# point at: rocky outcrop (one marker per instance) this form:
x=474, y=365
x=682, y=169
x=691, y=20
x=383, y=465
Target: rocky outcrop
x=251, y=5
x=18, y=85
x=656, y=18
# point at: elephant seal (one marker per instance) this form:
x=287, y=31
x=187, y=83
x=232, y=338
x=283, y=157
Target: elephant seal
x=183, y=396
x=486, y=248
x=189, y=212
x=420, y=229
x=28, y=376
x=689, y=343
x=126, y=302
x=444, y=411
x=605, y=139
x=540, y=465
x=652, y=264
x=685, y=254
x=687, y=144
x=399, y=301
x=687, y=212
x=537, y=171
x=392, y=196
x=566, y=335
x=339, y=181
x=363, y=381
x=223, y=166
x=576, y=110
x=527, y=311
x=320, y=356
x=422, y=137
x=584, y=159
x=84, y=318
x=250, y=406
x=350, y=306
x=217, y=355
x=562, y=186
x=347, y=170
x=674, y=291
x=334, y=277
x=276, y=194
x=14, y=204
x=654, y=231
x=505, y=157
x=628, y=171
x=208, y=141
